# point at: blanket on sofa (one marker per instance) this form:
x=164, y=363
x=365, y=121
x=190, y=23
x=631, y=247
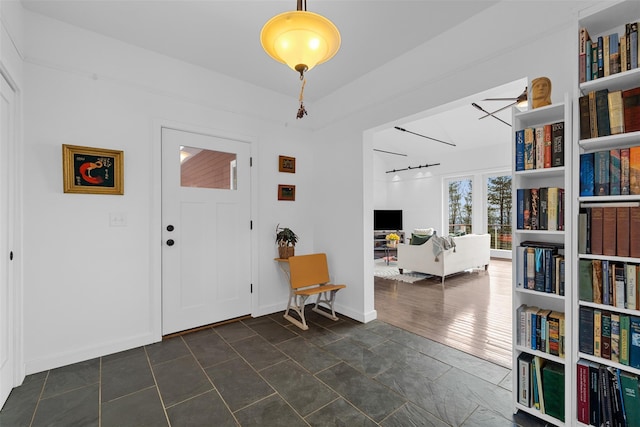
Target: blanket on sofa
x=441, y=244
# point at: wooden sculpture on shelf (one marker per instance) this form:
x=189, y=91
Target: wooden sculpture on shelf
x=540, y=92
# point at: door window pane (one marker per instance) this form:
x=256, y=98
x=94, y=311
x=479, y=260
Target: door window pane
x=460, y=206
x=207, y=168
x=499, y=211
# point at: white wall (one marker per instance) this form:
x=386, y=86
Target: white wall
x=91, y=289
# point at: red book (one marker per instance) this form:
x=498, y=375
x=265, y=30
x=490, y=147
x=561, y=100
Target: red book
x=583, y=391
x=596, y=230
x=631, y=105
x=634, y=170
x=634, y=232
x=547, y=145
x=622, y=231
x=609, y=231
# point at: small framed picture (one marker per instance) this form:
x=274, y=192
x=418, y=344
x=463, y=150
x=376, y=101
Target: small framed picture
x=287, y=164
x=286, y=192
x=92, y=170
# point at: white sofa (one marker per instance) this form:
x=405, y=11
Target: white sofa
x=471, y=251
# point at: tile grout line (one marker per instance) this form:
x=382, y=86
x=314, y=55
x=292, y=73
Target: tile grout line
x=155, y=381
x=35, y=410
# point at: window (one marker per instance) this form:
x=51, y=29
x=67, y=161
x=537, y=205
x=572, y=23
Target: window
x=499, y=211
x=460, y=205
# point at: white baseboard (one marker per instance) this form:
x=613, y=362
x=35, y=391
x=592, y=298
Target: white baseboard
x=80, y=355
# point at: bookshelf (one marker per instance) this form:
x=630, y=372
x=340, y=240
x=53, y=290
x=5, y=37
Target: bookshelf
x=558, y=236
x=599, y=21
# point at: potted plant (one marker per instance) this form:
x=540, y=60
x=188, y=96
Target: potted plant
x=286, y=240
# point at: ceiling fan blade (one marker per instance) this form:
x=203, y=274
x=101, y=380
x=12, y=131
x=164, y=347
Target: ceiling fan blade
x=498, y=110
x=489, y=114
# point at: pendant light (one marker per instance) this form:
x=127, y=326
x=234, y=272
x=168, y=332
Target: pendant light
x=301, y=40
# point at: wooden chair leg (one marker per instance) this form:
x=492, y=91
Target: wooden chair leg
x=297, y=303
x=329, y=302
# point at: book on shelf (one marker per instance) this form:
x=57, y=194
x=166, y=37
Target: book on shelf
x=605, y=337
x=553, y=389
x=582, y=53
x=524, y=379
x=587, y=178
x=585, y=280
x=529, y=149
x=543, y=214
x=539, y=364
x=631, y=287
x=600, y=281
x=557, y=135
x=631, y=109
x=594, y=394
x=585, y=117
x=585, y=330
x=597, y=333
x=624, y=339
x=634, y=342
x=624, y=171
x=520, y=145
x=582, y=233
x=534, y=206
x=520, y=208
x=553, y=217
x=582, y=391
x=634, y=170
x=614, y=172
x=538, y=133
x=554, y=332
x=609, y=231
x=614, y=54
x=602, y=113
x=606, y=410
x=630, y=397
x=601, y=173
x=615, y=337
x=606, y=55
x=622, y=231
x=547, y=146
x=634, y=232
x=597, y=218
x=616, y=112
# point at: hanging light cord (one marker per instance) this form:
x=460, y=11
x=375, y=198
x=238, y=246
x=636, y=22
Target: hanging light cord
x=302, y=111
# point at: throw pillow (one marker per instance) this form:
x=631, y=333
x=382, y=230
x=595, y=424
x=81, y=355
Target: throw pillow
x=424, y=231
x=418, y=240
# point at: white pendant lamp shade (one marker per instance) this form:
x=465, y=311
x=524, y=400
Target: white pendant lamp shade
x=300, y=39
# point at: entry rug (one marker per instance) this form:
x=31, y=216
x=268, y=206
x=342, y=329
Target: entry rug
x=381, y=269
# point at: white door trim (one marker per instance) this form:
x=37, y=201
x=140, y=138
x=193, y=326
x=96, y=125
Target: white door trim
x=155, y=210
x=15, y=189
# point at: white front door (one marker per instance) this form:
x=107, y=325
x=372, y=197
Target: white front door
x=7, y=300
x=206, y=274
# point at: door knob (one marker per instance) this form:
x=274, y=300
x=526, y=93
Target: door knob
x=170, y=228
x=170, y=242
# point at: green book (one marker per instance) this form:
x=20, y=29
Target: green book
x=624, y=339
x=630, y=398
x=553, y=389
x=585, y=280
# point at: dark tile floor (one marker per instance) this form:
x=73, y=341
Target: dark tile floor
x=267, y=372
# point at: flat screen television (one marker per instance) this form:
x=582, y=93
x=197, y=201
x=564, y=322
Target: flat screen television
x=387, y=219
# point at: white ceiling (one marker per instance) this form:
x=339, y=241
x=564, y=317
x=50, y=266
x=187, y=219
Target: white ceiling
x=223, y=36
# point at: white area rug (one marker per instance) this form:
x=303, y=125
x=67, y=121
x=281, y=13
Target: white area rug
x=381, y=269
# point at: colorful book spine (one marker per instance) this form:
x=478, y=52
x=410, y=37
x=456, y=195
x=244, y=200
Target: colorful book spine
x=529, y=149
x=587, y=178
x=614, y=172
x=601, y=173
x=634, y=342
x=624, y=171
x=557, y=134
x=520, y=147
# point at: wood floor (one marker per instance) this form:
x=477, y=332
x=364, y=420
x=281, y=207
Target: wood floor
x=472, y=314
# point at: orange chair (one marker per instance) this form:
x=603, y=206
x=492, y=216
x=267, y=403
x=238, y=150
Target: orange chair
x=309, y=275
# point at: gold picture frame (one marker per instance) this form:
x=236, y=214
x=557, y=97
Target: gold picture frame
x=286, y=192
x=287, y=164
x=92, y=170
